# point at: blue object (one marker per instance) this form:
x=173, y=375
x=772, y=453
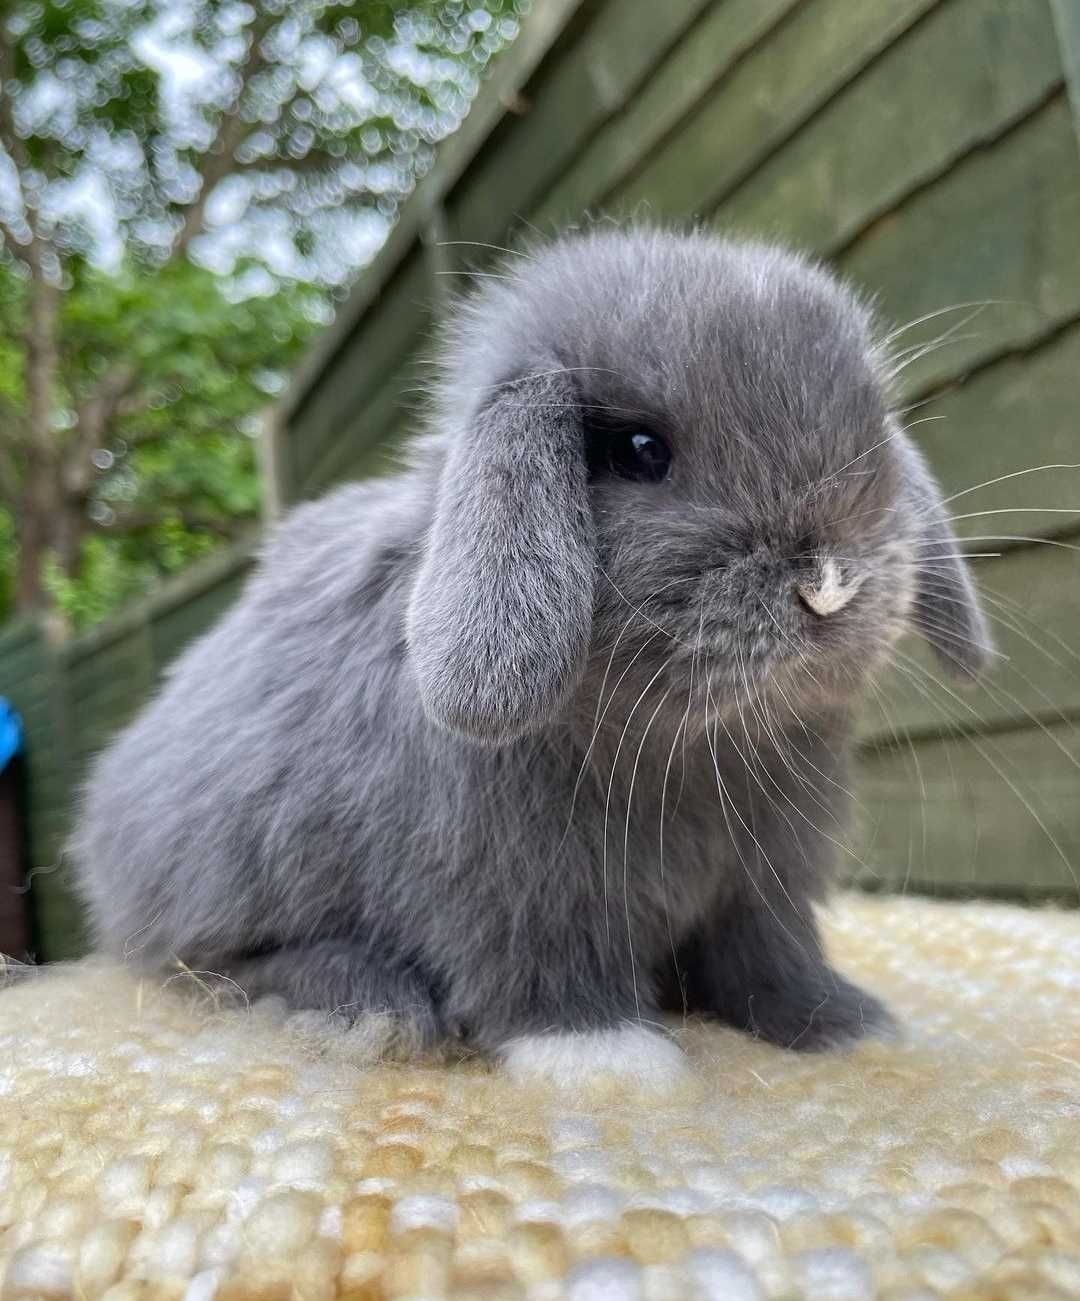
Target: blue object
x=10, y=733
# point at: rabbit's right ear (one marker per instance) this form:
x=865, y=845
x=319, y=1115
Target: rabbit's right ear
x=945, y=607
x=501, y=614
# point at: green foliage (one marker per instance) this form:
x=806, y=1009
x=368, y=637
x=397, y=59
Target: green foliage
x=201, y=182
x=178, y=477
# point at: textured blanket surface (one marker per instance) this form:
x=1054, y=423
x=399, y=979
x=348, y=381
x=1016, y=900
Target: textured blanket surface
x=149, y=1148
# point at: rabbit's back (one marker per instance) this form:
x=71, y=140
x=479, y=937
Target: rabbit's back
x=238, y=803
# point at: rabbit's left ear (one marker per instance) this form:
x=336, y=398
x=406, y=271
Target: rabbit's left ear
x=501, y=614
x=946, y=606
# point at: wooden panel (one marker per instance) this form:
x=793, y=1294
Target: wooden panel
x=1016, y=415
x=102, y=691
x=388, y=334
x=1000, y=227
x=1067, y=20
x=20, y=663
x=767, y=97
x=58, y=916
x=709, y=50
x=986, y=814
x=172, y=630
x=594, y=79
x=961, y=76
x=94, y=728
x=125, y=660
x=359, y=443
x=368, y=460
x=17, y=636
x=33, y=691
x=1032, y=599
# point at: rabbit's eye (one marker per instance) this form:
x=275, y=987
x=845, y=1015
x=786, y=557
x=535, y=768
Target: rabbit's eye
x=638, y=454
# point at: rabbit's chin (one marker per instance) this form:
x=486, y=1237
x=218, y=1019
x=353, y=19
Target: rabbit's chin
x=791, y=689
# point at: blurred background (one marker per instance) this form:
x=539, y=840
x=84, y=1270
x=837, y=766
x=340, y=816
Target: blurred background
x=229, y=230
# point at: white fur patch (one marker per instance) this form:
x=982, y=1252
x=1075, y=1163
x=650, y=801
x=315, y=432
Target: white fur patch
x=631, y=1053
x=831, y=593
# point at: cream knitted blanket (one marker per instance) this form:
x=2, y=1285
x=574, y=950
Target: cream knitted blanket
x=150, y=1149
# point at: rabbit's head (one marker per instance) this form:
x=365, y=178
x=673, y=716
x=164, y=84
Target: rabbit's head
x=682, y=448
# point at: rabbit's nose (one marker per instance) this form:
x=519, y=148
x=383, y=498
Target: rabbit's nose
x=827, y=590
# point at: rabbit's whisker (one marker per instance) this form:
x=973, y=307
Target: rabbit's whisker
x=726, y=802
x=611, y=784
x=1016, y=474
x=980, y=304
x=626, y=844
x=916, y=672
x=680, y=730
x=890, y=723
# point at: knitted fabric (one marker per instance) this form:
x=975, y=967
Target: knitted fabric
x=151, y=1149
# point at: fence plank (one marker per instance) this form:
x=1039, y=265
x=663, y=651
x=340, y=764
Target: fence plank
x=707, y=53
x=593, y=80
x=994, y=814
x=386, y=338
x=1000, y=227
x=1016, y=415
x=172, y=630
x=1037, y=630
x=953, y=82
x=1067, y=21
x=764, y=101
x=364, y=443
x=59, y=916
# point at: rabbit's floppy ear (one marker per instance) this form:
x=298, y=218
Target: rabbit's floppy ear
x=501, y=613
x=945, y=608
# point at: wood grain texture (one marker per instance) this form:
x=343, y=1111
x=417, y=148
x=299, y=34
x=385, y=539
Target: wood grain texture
x=1032, y=600
x=764, y=101
x=386, y=337
x=1001, y=229
x=1067, y=21
x=951, y=83
x=1007, y=420
x=989, y=814
x=362, y=443
x=727, y=30
x=595, y=79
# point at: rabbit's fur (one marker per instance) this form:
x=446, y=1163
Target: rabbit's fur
x=512, y=745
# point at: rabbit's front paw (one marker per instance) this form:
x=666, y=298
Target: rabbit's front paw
x=631, y=1053
x=814, y=1016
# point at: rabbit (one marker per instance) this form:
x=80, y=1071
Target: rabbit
x=545, y=734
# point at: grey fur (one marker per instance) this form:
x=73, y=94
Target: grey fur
x=506, y=747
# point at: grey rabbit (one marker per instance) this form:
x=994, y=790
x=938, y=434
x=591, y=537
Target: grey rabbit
x=546, y=733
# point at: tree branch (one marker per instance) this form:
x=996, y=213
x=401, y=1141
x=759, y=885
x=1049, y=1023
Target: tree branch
x=9, y=137
x=41, y=349
x=142, y=521
x=9, y=478
x=41, y=513
x=219, y=160
x=315, y=160
x=93, y=418
x=10, y=140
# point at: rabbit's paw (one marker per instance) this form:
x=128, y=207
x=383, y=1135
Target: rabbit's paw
x=631, y=1053
x=816, y=1016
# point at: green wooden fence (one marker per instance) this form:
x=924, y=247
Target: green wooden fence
x=929, y=150
x=74, y=695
